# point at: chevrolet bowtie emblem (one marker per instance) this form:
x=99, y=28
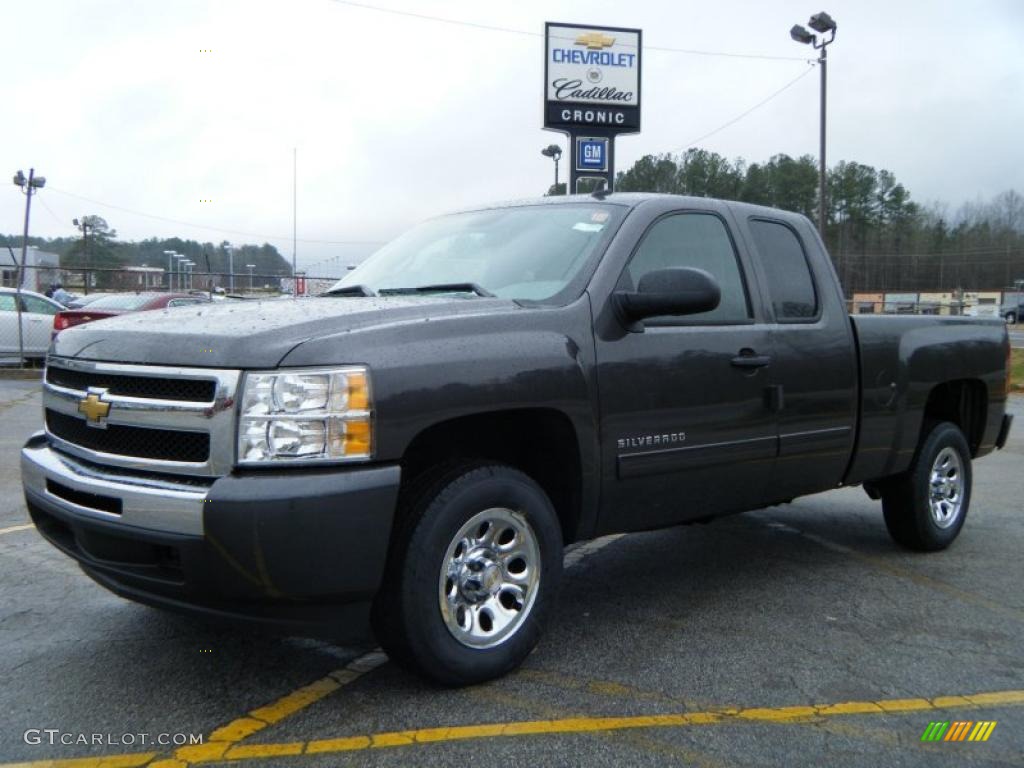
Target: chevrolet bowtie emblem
x=595, y=41
x=93, y=407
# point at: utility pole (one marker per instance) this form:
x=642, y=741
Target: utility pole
x=28, y=187
x=84, y=226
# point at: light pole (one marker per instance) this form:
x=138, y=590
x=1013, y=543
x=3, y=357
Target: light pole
x=821, y=23
x=28, y=187
x=188, y=274
x=231, y=267
x=555, y=153
x=250, y=267
x=170, y=265
x=178, y=259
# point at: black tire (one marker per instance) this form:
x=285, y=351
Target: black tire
x=1011, y=318
x=906, y=500
x=407, y=615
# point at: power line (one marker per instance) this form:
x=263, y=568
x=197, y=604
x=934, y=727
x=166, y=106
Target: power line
x=207, y=227
x=759, y=104
x=50, y=211
x=529, y=33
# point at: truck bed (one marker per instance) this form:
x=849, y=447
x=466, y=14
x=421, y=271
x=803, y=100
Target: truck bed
x=901, y=360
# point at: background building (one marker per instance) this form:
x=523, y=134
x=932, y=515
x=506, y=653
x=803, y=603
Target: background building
x=41, y=269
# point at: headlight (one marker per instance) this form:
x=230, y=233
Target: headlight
x=306, y=415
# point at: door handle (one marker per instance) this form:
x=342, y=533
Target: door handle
x=747, y=358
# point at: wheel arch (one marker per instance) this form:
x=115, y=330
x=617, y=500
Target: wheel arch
x=541, y=442
x=963, y=402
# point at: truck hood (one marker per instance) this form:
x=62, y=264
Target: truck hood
x=251, y=334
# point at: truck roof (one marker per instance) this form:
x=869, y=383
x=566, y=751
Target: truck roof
x=634, y=199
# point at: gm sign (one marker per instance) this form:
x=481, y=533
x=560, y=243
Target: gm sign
x=591, y=154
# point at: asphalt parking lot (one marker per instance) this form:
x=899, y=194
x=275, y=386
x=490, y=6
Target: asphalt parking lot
x=796, y=635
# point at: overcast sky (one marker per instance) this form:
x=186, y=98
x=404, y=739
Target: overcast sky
x=398, y=118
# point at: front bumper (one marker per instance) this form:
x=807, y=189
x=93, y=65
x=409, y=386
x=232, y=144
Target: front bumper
x=301, y=549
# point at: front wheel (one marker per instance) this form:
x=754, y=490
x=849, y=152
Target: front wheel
x=472, y=575
x=925, y=508
x=1011, y=318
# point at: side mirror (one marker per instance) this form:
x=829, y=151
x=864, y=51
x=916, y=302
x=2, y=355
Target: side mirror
x=676, y=291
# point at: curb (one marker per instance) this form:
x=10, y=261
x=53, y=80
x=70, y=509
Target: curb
x=21, y=373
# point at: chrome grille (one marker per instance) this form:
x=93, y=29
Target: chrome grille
x=161, y=419
x=138, y=442
x=192, y=390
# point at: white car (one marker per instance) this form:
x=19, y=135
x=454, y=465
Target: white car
x=37, y=313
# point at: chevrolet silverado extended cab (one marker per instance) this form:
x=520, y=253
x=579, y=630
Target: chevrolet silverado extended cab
x=413, y=451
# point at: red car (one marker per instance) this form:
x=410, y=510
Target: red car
x=119, y=303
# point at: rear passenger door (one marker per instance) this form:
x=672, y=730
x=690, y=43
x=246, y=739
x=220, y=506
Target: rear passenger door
x=814, y=366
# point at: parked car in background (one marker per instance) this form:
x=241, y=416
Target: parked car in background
x=37, y=312
x=119, y=303
x=1012, y=311
x=83, y=301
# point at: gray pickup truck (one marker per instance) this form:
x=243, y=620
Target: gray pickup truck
x=413, y=451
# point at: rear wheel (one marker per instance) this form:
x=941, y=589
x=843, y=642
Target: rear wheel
x=472, y=575
x=926, y=507
x=1011, y=318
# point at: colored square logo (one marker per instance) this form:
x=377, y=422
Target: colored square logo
x=591, y=154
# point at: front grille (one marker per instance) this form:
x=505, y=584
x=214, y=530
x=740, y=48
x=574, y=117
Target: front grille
x=192, y=390
x=137, y=442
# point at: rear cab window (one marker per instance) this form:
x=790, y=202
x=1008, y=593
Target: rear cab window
x=791, y=289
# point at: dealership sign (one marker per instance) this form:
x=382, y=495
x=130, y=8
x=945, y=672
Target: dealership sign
x=592, y=78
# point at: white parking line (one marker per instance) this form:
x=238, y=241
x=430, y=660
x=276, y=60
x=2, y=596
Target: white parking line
x=578, y=553
x=16, y=528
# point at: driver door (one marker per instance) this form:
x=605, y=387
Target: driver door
x=687, y=429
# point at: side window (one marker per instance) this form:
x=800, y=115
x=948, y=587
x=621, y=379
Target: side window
x=787, y=272
x=38, y=306
x=7, y=302
x=697, y=240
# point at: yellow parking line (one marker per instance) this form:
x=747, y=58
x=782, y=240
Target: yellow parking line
x=605, y=724
x=16, y=528
x=108, y=761
x=798, y=714
x=228, y=736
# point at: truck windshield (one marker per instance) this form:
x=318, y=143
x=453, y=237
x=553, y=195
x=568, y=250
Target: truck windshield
x=528, y=253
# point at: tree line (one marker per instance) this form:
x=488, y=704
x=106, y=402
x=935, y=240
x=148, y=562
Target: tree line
x=99, y=249
x=880, y=239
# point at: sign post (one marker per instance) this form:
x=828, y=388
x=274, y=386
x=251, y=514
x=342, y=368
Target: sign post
x=591, y=94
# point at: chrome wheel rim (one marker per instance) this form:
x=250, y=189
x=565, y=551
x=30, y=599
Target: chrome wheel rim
x=489, y=578
x=946, y=488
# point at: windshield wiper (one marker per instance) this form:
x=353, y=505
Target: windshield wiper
x=352, y=290
x=442, y=288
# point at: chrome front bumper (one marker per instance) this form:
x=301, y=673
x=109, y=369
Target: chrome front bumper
x=146, y=503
